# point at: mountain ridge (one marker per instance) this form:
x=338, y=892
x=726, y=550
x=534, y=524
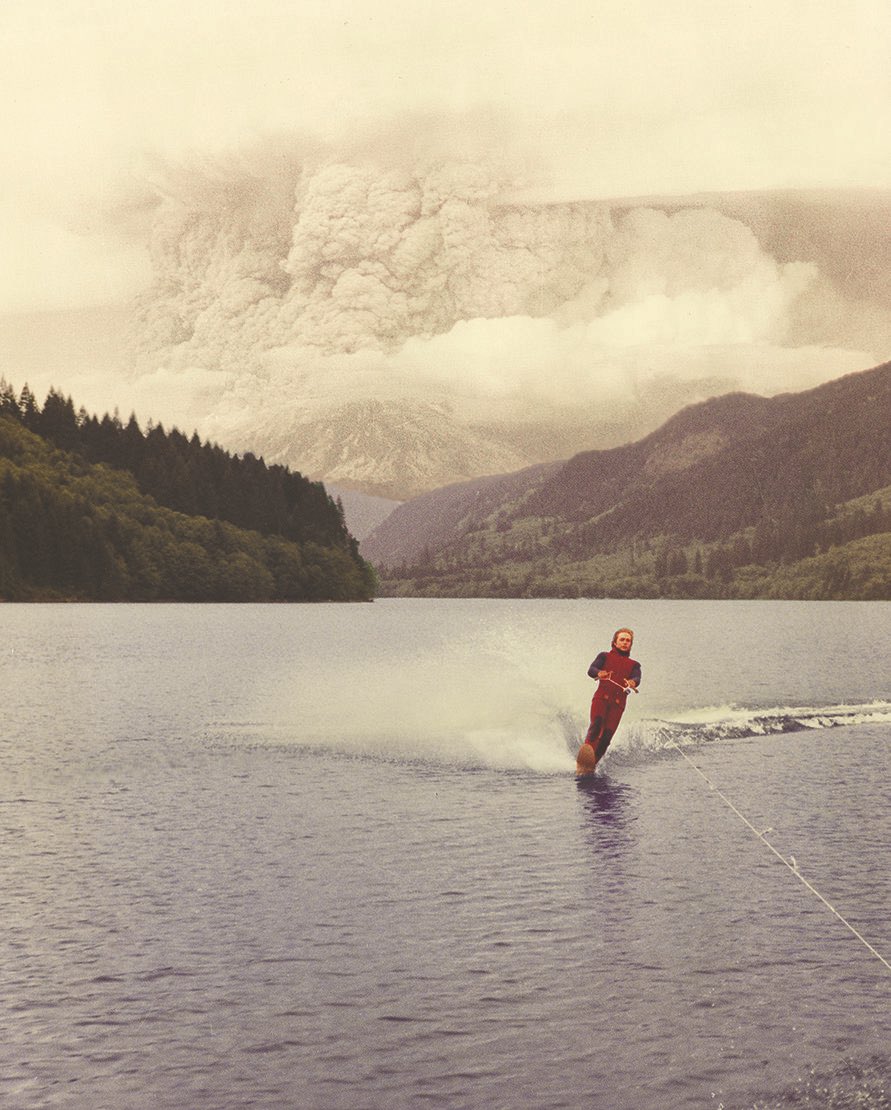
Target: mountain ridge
x=737, y=481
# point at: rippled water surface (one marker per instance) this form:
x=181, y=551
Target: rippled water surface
x=335, y=856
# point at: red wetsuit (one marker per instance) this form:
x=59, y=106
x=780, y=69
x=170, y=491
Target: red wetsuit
x=608, y=703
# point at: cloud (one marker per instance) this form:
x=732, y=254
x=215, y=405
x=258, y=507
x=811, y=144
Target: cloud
x=364, y=277
x=350, y=255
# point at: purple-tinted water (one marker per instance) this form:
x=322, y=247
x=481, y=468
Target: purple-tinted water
x=335, y=856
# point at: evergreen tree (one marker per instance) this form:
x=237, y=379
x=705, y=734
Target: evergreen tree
x=57, y=421
x=9, y=406
x=28, y=408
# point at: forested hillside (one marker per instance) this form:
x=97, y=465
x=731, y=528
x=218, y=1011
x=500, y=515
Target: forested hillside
x=97, y=510
x=740, y=496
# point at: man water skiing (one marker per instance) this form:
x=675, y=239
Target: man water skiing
x=617, y=674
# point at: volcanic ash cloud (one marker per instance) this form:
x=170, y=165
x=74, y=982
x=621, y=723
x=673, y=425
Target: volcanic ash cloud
x=353, y=258
x=311, y=281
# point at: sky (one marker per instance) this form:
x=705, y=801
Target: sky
x=600, y=100
x=243, y=219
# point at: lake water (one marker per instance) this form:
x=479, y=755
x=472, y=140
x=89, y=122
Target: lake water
x=335, y=856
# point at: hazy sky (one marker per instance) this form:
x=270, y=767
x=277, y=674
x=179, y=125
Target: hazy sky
x=605, y=98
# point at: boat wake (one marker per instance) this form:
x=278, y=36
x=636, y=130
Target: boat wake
x=544, y=742
x=707, y=725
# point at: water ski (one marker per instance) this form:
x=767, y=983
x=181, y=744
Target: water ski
x=585, y=761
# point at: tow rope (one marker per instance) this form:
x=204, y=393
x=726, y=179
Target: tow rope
x=790, y=862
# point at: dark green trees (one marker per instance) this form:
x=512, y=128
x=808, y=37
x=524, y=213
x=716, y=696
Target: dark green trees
x=95, y=509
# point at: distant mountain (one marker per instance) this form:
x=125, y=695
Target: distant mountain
x=441, y=517
x=394, y=450
x=398, y=449
x=715, y=503
x=391, y=449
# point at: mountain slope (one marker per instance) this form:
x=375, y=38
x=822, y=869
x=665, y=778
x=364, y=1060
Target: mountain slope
x=435, y=519
x=735, y=482
x=584, y=486
x=594, y=481
x=802, y=452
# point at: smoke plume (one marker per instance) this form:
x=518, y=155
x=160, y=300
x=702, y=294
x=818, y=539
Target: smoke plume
x=303, y=278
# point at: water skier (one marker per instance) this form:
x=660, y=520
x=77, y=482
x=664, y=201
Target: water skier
x=617, y=674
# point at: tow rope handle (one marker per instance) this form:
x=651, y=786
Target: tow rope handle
x=626, y=689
